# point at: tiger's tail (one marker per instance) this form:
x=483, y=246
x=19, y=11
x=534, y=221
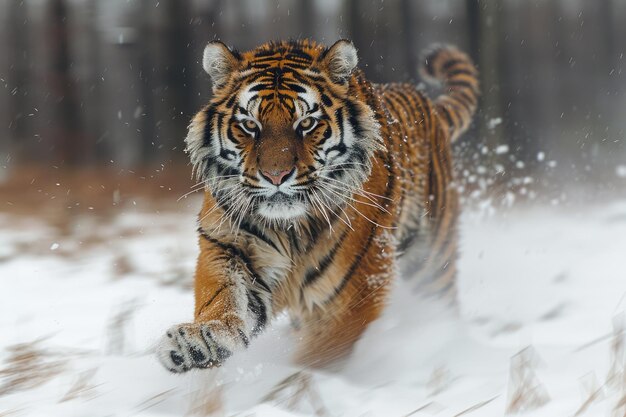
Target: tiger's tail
x=451, y=67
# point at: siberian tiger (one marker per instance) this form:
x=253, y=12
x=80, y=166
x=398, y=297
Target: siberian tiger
x=316, y=180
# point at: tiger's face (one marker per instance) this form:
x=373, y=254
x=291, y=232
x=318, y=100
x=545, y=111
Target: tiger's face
x=286, y=135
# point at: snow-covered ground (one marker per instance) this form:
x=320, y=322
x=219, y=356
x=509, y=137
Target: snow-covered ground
x=542, y=296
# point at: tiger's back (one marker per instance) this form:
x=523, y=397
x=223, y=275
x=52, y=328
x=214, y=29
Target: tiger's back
x=419, y=131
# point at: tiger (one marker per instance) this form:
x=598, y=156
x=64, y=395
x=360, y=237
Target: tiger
x=316, y=183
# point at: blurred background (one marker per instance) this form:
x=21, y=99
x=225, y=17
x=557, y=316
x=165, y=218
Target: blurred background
x=113, y=84
x=97, y=210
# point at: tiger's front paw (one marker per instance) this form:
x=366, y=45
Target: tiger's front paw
x=198, y=345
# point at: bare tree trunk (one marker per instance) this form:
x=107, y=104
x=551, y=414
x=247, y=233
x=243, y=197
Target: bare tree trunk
x=484, y=18
x=210, y=28
x=96, y=147
x=472, y=10
x=609, y=60
x=146, y=82
x=543, y=102
x=66, y=133
x=307, y=19
x=409, y=46
x=363, y=31
x=177, y=80
x=18, y=71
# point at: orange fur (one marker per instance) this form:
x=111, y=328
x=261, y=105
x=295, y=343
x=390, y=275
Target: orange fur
x=331, y=268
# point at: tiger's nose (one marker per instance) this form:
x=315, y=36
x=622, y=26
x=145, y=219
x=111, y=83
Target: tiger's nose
x=277, y=177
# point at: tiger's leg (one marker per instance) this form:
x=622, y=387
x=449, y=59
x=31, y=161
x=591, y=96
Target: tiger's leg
x=233, y=304
x=432, y=266
x=329, y=334
x=437, y=250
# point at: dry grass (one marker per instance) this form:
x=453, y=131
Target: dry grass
x=295, y=391
x=53, y=193
x=440, y=380
x=82, y=388
x=116, y=328
x=616, y=377
x=207, y=400
x=592, y=393
x=476, y=407
x=430, y=407
x=28, y=366
x=122, y=266
x=526, y=392
x=11, y=413
x=153, y=401
x=79, y=209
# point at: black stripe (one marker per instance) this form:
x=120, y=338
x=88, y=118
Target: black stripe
x=221, y=353
x=256, y=232
x=446, y=114
x=312, y=274
x=405, y=104
x=208, y=128
x=231, y=136
x=390, y=103
x=408, y=104
x=355, y=264
x=463, y=71
x=257, y=307
x=360, y=154
x=295, y=87
x=244, y=338
x=231, y=101
x=272, y=52
x=452, y=62
x=305, y=183
x=469, y=100
x=326, y=100
x=326, y=135
x=425, y=108
x=353, y=119
x=305, y=173
x=259, y=87
x=227, y=97
x=210, y=300
x=248, y=176
x=227, y=153
x=391, y=181
x=460, y=83
x=234, y=251
x=220, y=119
x=341, y=148
x=223, y=169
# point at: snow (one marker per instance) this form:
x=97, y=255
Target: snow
x=502, y=149
x=493, y=123
x=539, y=328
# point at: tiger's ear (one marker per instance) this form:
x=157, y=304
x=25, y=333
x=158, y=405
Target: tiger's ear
x=340, y=60
x=219, y=62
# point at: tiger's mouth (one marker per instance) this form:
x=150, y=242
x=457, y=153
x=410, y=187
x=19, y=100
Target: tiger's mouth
x=279, y=198
x=280, y=206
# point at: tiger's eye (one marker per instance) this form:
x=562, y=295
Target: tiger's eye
x=250, y=125
x=306, y=123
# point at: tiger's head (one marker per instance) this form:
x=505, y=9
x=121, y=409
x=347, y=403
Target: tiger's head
x=288, y=132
